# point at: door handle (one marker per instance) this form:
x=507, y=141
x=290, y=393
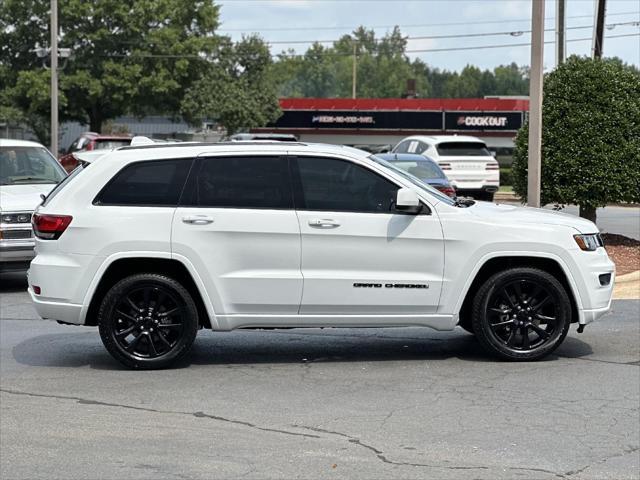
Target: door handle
x=197, y=220
x=323, y=223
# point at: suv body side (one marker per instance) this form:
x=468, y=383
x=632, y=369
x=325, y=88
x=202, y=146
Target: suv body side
x=253, y=279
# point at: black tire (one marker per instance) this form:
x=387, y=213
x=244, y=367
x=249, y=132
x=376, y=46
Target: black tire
x=512, y=305
x=484, y=196
x=156, y=340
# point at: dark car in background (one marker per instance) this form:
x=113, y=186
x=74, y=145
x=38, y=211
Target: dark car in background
x=421, y=167
x=92, y=141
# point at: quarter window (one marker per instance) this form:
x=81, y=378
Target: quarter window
x=401, y=147
x=241, y=182
x=336, y=185
x=151, y=183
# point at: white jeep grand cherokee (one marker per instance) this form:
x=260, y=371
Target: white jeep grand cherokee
x=152, y=243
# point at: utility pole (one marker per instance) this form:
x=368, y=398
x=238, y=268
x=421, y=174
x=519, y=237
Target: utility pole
x=561, y=45
x=598, y=29
x=54, y=77
x=354, y=80
x=535, y=103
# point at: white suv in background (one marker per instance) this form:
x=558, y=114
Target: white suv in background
x=152, y=243
x=27, y=171
x=466, y=161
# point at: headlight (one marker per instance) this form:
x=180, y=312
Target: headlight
x=15, y=218
x=589, y=242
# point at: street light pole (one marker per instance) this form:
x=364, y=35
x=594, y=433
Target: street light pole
x=354, y=79
x=535, y=103
x=598, y=29
x=560, y=31
x=54, y=77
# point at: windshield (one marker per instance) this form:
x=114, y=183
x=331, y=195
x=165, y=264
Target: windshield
x=463, y=149
x=28, y=165
x=414, y=180
x=111, y=144
x=419, y=169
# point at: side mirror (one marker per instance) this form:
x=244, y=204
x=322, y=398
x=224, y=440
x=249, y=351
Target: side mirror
x=407, y=201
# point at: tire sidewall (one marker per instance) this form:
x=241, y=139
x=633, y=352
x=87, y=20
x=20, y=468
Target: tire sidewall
x=106, y=320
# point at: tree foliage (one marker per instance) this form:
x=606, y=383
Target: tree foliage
x=237, y=91
x=590, y=136
x=383, y=68
x=127, y=57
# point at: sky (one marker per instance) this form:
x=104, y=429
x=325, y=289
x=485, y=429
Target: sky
x=302, y=20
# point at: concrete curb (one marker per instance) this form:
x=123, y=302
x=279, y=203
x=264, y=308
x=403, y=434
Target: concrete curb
x=627, y=286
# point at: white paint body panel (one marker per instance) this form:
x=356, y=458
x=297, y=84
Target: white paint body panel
x=271, y=268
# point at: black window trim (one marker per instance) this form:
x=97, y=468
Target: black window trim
x=96, y=202
x=200, y=158
x=298, y=195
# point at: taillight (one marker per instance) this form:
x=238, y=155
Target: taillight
x=445, y=166
x=492, y=166
x=448, y=190
x=50, y=227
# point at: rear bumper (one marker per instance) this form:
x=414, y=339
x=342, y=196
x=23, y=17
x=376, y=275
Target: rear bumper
x=61, y=311
x=481, y=189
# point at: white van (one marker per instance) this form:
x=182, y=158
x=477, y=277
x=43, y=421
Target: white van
x=466, y=161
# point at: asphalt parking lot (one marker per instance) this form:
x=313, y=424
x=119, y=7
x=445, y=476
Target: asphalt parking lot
x=386, y=403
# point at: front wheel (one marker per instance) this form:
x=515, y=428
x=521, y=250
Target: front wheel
x=521, y=314
x=148, y=321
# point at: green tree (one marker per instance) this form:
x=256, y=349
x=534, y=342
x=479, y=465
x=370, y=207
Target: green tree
x=590, y=136
x=238, y=91
x=135, y=57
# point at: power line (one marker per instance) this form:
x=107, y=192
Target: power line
x=512, y=33
x=480, y=47
x=339, y=54
x=422, y=25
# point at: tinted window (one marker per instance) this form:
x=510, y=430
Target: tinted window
x=28, y=165
x=422, y=147
x=241, y=182
x=421, y=169
x=157, y=183
x=472, y=149
x=401, y=147
x=337, y=185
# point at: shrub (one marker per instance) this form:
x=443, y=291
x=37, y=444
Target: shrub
x=590, y=136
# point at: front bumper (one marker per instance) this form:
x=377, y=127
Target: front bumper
x=595, y=298
x=16, y=255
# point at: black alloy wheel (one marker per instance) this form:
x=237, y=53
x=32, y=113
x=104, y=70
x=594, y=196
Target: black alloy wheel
x=148, y=321
x=521, y=314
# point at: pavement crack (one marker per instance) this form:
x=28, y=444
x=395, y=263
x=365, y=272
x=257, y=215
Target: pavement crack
x=84, y=401
x=626, y=451
x=381, y=455
x=634, y=363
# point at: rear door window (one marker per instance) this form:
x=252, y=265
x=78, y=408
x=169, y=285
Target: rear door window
x=240, y=182
x=150, y=183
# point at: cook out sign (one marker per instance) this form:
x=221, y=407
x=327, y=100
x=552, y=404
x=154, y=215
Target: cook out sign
x=505, y=121
x=482, y=121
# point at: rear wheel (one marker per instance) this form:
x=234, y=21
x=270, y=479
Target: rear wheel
x=521, y=314
x=148, y=321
